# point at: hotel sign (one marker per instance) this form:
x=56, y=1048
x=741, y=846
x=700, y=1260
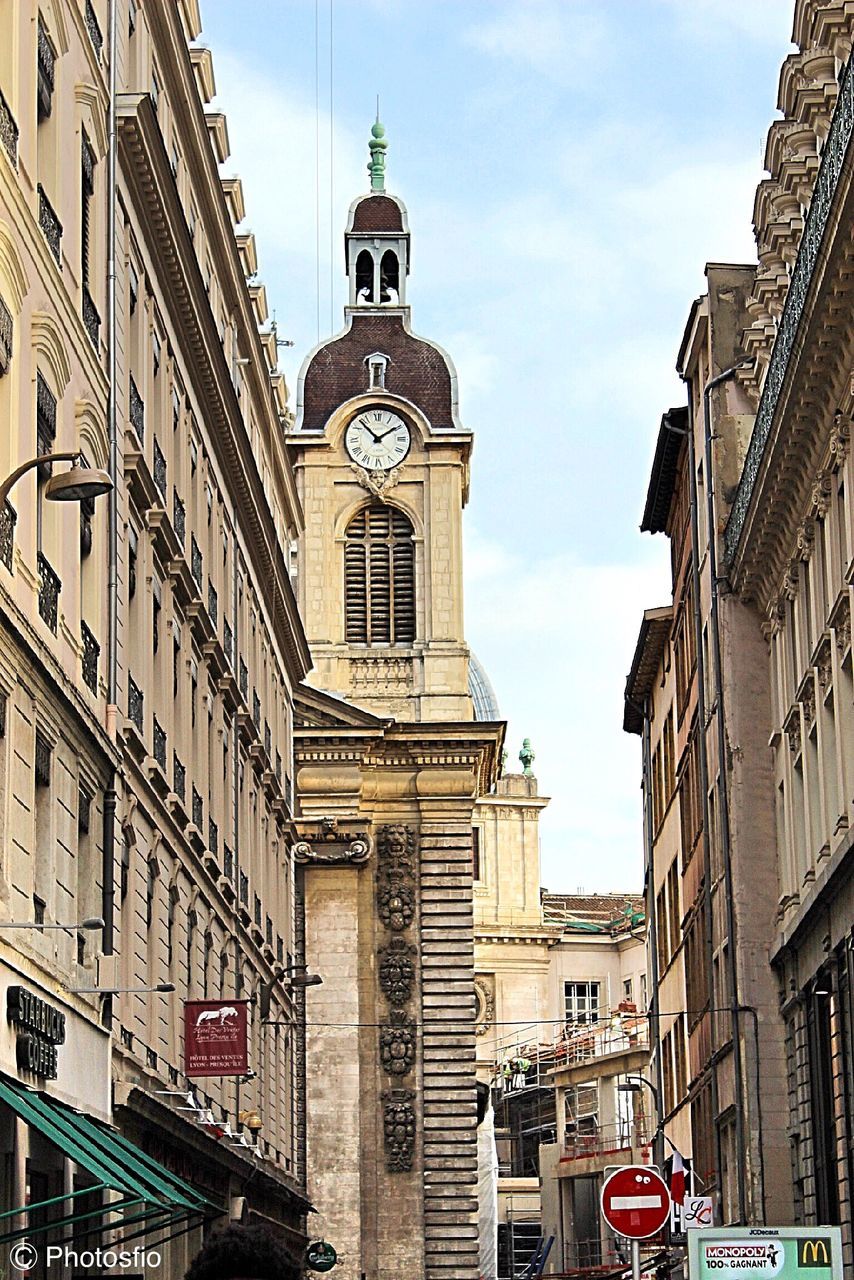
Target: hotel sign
x=215, y=1038
x=789, y=1253
x=40, y=1027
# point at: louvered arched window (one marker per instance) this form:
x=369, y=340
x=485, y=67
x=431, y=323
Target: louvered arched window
x=379, y=577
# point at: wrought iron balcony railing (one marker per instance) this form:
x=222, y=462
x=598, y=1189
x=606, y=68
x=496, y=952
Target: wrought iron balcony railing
x=50, y=224
x=8, y=520
x=213, y=604
x=244, y=679
x=135, y=703
x=179, y=778
x=91, y=319
x=227, y=862
x=48, y=592
x=830, y=170
x=179, y=519
x=213, y=836
x=198, y=810
x=228, y=641
x=160, y=744
x=136, y=410
x=196, y=562
x=91, y=653
x=256, y=710
x=95, y=34
x=160, y=470
x=244, y=888
x=8, y=130
x=7, y=330
x=258, y=915
x=268, y=740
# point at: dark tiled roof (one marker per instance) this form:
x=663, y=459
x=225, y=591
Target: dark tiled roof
x=377, y=213
x=415, y=370
x=662, y=481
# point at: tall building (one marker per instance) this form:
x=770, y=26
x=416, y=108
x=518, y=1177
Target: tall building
x=750, y=483
x=391, y=762
x=148, y=664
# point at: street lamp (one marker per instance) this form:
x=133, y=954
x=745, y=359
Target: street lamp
x=632, y=1084
x=76, y=485
x=298, y=977
x=95, y=923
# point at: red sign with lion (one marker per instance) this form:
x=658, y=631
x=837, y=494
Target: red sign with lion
x=215, y=1038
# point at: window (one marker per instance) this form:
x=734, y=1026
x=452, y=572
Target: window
x=377, y=365
x=46, y=63
x=629, y=990
x=581, y=1000
x=379, y=577
x=87, y=190
x=475, y=853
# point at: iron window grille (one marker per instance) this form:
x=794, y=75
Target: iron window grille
x=45, y=79
x=227, y=862
x=8, y=519
x=160, y=470
x=135, y=703
x=45, y=422
x=91, y=653
x=8, y=131
x=41, y=764
x=50, y=224
x=268, y=739
x=256, y=710
x=244, y=678
x=137, y=410
x=244, y=888
x=279, y=766
x=92, y=26
x=179, y=519
x=228, y=640
x=196, y=562
x=179, y=778
x=6, y=334
x=48, y=592
x=213, y=603
x=198, y=810
x=258, y=913
x=213, y=836
x=91, y=319
x=160, y=744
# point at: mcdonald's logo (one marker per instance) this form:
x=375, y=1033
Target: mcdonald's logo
x=815, y=1252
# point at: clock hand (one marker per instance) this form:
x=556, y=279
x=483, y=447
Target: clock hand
x=384, y=434
x=374, y=434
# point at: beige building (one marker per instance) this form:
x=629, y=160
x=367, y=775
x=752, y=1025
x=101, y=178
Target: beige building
x=150, y=652
x=561, y=985
x=750, y=484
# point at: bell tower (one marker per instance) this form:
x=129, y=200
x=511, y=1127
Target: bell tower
x=382, y=465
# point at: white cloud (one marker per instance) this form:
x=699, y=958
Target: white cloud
x=566, y=41
x=760, y=20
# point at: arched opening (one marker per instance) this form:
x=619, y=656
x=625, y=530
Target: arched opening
x=389, y=277
x=379, y=577
x=364, y=277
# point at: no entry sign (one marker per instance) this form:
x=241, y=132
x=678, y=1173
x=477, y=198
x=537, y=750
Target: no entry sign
x=635, y=1202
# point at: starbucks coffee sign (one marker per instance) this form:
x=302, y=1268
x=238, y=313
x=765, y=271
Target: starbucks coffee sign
x=40, y=1027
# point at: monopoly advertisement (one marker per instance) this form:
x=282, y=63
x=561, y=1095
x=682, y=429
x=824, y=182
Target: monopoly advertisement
x=789, y=1253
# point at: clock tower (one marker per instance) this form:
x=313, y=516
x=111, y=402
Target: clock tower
x=382, y=464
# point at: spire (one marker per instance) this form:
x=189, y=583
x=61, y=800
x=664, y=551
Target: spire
x=377, y=146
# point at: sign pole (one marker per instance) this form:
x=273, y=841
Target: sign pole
x=636, y=1274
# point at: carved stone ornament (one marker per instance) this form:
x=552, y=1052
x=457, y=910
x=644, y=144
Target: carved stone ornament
x=399, y=1129
x=396, y=905
x=820, y=497
x=840, y=439
x=792, y=581
x=793, y=730
x=807, y=700
x=376, y=482
x=396, y=849
x=806, y=539
x=326, y=843
x=397, y=971
x=843, y=630
x=824, y=664
x=485, y=1014
x=397, y=1044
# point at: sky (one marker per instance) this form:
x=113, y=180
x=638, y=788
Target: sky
x=569, y=166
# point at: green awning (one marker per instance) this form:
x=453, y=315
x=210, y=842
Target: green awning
x=146, y=1192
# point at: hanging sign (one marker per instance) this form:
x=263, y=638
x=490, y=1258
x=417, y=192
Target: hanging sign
x=215, y=1038
x=320, y=1256
x=40, y=1027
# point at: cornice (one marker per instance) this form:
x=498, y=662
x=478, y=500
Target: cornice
x=166, y=28
x=149, y=178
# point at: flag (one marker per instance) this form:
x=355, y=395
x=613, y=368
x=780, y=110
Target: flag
x=677, y=1179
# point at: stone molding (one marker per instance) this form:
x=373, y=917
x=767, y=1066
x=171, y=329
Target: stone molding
x=324, y=843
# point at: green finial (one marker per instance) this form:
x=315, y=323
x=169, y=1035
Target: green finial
x=527, y=758
x=377, y=146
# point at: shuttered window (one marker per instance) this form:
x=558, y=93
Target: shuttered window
x=379, y=577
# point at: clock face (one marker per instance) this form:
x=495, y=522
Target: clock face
x=377, y=440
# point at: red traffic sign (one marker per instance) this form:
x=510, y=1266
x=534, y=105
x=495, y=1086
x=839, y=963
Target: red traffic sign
x=635, y=1202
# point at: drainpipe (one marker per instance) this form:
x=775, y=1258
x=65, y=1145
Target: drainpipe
x=704, y=771
x=723, y=793
x=108, y=891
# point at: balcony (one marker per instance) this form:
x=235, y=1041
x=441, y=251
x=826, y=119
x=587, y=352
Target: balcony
x=622, y=1034
x=50, y=225
x=91, y=654
x=598, y=1143
x=48, y=593
x=8, y=131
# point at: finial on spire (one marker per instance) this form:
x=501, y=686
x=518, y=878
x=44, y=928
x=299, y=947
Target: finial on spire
x=377, y=146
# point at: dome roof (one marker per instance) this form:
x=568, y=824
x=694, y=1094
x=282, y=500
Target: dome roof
x=482, y=693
